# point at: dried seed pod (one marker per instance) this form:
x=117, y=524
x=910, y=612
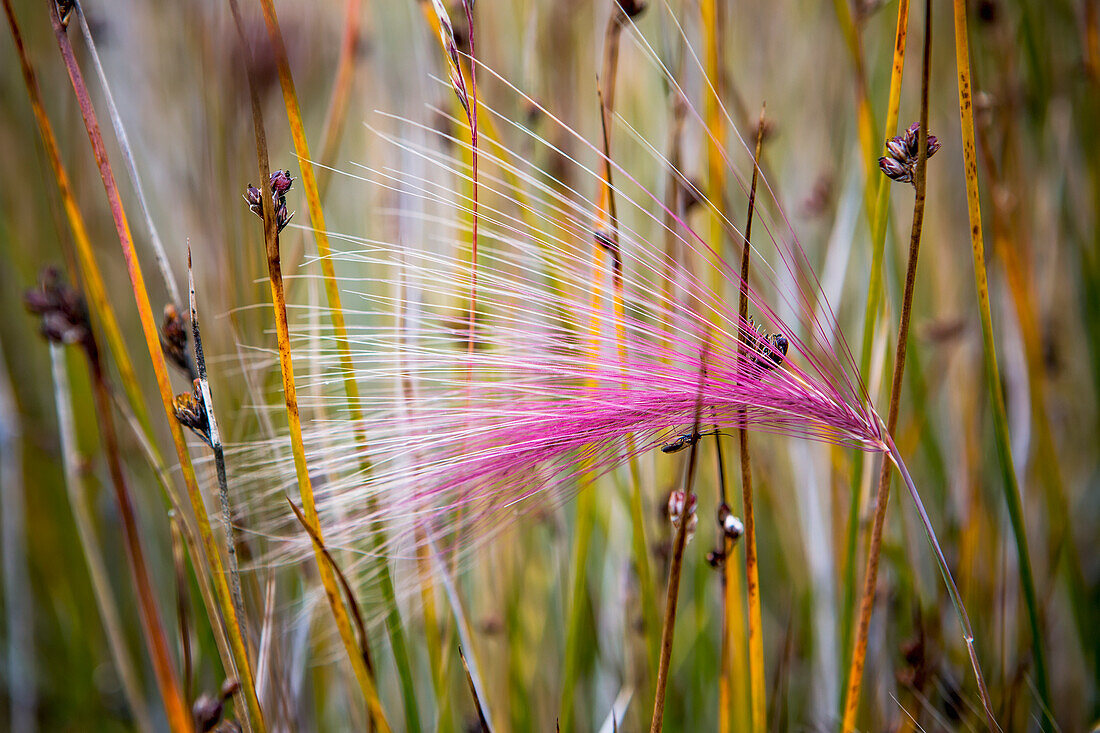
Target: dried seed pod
x=190, y=411
x=252, y=196
x=173, y=338
x=731, y=525
x=207, y=710
x=62, y=309
x=282, y=218
x=680, y=504
x=281, y=181
x=900, y=160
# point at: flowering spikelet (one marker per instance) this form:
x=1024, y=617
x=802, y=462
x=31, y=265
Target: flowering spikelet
x=463, y=439
x=900, y=160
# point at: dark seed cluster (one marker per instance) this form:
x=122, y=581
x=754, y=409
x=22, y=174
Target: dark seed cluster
x=190, y=411
x=768, y=350
x=900, y=160
x=62, y=309
x=279, y=183
x=173, y=339
x=209, y=709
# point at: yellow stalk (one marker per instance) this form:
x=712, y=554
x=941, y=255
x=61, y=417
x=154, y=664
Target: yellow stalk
x=1010, y=483
x=340, y=332
x=734, y=700
x=305, y=486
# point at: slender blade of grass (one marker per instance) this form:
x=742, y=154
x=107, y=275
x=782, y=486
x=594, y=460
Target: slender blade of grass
x=128, y=158
x=1009, y=482
x=363, y=676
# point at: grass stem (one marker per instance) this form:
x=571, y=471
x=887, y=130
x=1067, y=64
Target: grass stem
x=1009, y=482
x=394, y=624
x=867, y=601
x=757, y=689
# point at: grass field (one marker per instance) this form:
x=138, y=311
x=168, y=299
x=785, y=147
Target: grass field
x=534, y=366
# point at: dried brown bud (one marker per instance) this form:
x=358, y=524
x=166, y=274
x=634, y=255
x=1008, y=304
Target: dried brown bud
x=190, y=411
x=281, y=182
x=207, y=712
x=282, y=218
x=64, y=314
x=255, y=203
x=173, y=339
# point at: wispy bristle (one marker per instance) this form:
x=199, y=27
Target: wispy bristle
x=465, y=439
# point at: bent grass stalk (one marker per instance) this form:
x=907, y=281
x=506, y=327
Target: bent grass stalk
x=363, y=676
x=1010, y=485
x=1064, y=547
x=152, y=339
x=339, y=325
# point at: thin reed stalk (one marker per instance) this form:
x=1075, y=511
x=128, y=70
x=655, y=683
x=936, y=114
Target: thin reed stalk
x=176, y=709
x=214, y=436
x=752, y=569
x=672, y=595
x=123, y=140
x=481, y=719
x=1009, y=482
x=867, y=601
x=394, y=624
x=337, y=114
x=152, y=339
x=1013, y=252
x=349, y=597
x=89, y=544
x=870, y=319
x=179, y=565
x=639, y=544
